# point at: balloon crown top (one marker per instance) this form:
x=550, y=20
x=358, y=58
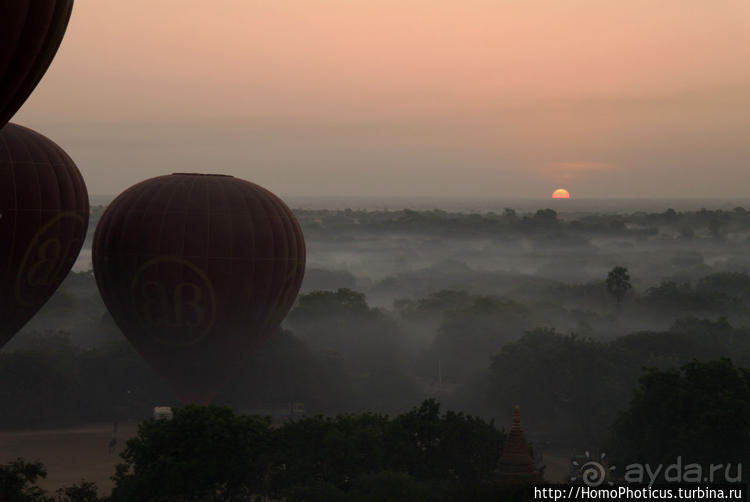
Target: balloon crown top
x=203, y=174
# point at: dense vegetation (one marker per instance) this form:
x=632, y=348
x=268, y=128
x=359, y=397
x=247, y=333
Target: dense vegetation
x=698, y=412
x=343, y=355
x=557, y=313
x=212, y=454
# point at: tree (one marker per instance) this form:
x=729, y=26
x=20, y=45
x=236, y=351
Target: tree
x=700, y=412
x=422, y=443
x=328, y=449
x=451, y=446
x=718, y=220
x=342, y=302
x=83, y=492
x=477, y=327
x=618, y=283
x=368, y=343
x=510, y=215
x=204, y=453
x=576, y=380
x=546, y=217
x=435, y=305
x=18, y=482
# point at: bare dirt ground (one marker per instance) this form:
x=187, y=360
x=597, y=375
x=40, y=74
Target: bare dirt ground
x=69, y=454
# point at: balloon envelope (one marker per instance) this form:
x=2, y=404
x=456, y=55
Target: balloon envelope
x=44, y=212
x=197, y=270
x=30, y=33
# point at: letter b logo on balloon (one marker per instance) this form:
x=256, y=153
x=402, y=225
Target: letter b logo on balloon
x=49, y=257
x=174, y=299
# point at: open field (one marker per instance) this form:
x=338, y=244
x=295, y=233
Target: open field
x=69, y=454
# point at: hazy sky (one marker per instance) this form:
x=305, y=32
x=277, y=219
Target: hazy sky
x=622, y=98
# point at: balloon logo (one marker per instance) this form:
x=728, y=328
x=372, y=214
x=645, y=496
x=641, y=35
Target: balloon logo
x=44, y=212
x=197, y=271
x=179, y=312
x=30, y=34
x=45, y=260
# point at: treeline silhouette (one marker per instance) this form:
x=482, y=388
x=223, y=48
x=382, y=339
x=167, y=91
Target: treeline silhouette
x=570, y=387
x=209, y=453
x=688, y=224
x=698, y=414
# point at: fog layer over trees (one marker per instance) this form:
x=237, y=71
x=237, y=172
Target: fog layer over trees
x=558, y=313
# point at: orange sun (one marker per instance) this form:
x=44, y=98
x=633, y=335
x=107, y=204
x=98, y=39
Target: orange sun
x=561, y=193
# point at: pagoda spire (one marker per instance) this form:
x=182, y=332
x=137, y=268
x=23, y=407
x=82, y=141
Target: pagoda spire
x=516, y=462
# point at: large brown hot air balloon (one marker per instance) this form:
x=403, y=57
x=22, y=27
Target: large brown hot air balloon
x=30, y=33
x=44, y=213
x=197, y=270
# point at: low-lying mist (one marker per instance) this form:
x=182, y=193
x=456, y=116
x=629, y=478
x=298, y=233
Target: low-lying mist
x=480, y=310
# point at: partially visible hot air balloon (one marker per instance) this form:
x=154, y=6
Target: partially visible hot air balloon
x=197, y=270
x=44, y=214
x=30, y=33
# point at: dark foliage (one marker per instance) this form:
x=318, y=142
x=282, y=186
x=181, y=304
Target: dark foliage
x=700, y=412
x=210, y=453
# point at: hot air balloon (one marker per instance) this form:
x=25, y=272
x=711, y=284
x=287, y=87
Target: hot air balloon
x=30, y=33
x=198, y=270
x=44, y=214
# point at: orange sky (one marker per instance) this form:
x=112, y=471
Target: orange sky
x=410, y=97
